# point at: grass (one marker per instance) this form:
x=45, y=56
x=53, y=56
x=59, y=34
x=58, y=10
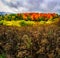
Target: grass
x=28, y=41
x=20, y=23
x=11, y=23
x=2, y=56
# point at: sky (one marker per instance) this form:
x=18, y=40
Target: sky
x=18, y=6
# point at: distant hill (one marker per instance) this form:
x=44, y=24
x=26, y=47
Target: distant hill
x=3, y=13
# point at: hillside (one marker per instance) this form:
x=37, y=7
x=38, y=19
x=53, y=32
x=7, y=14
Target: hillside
x=30, y=35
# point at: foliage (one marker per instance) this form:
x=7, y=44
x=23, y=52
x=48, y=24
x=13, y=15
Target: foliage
x=41, y=19
x=28, y=16
x=1, y=22
x=28, y=19
x=23, y=23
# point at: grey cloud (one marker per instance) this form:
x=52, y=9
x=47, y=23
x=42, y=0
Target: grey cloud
x=35, y=5
x=51, y=5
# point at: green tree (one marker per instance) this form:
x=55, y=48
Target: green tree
x=41, y=19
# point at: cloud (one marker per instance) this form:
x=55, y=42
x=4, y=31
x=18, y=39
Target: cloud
x=4, y=8
x=30, y=5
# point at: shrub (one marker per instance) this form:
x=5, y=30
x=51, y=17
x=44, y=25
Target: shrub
x=23, y=23
x=1, y=22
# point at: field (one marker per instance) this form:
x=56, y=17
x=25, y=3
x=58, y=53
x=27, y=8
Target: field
x=30, y=35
